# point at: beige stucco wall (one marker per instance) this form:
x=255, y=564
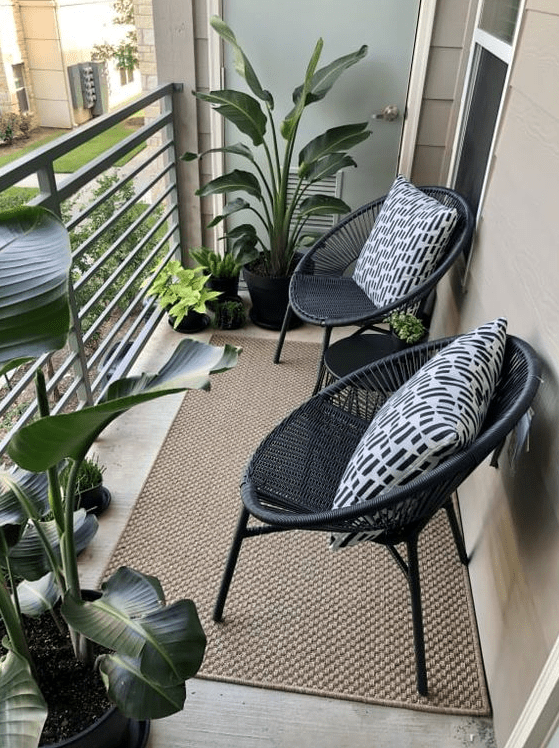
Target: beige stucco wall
x=511, y=515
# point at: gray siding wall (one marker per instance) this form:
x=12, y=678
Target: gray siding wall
x=511, y=514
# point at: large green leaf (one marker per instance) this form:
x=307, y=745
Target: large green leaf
x=28, y=557
x=232, y=207
x=35, y=490
x=318, y=205
x=233, y=181
x=135, y=695
x=324, y=79
x=165, y=643
x=334, y=140
x=241, y=109
x=35, y=598
x=288, y=127
x=238, y=149
x=242, y=64
x=35, y=262
x=328, y=166
x=48, y=441
x=22, y=708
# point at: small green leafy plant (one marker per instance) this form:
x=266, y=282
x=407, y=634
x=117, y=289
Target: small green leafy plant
x=179, y=290
x=90, y=475
x=154, y=647
x=229, y=314
x=281, y=215
x=407, y=327
x=227, y=265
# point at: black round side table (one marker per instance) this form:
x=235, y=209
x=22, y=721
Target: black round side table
x=353, y=352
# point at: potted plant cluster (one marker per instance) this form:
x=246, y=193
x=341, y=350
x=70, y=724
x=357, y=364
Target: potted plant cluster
x=91, y=494
x=223, y=270
x=183, y=293
x=406, y=328
x=141, y=648
x=281, y=216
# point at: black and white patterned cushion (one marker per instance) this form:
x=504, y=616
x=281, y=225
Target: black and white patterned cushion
x=437, y=412
x=404, y=245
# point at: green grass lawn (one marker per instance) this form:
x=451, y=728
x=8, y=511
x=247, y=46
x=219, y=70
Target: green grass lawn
x=95, y=147
x=15, y=154
x=81, y=155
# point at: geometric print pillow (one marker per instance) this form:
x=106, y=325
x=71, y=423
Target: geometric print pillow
x=436, y=413
x=404, y=245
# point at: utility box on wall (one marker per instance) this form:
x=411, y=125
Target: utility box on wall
x=88, y=87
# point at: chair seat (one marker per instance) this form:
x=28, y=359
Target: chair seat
x=329, y=300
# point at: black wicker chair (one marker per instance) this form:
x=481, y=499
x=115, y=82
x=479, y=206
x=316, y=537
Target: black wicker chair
x=322, y=291
x=292, y=477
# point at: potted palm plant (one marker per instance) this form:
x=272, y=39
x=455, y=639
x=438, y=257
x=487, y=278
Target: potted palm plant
x=183, y=293
x=281, y=215
x=147, y=647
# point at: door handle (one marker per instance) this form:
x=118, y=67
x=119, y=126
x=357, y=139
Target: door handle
x=388, y=114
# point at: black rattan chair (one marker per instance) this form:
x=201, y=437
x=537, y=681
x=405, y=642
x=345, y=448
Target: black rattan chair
x=292, y=477
x=322, y=291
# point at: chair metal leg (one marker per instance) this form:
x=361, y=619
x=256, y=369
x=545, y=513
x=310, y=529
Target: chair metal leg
x=320, y=372
x=417, y=616
x=456, y=532
x=231, y=563
x=286, y=320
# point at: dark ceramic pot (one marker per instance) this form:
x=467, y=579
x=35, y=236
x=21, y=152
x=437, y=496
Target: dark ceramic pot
x=94, y=500
x=191, y=323
x=226, y=286
x=270, y=297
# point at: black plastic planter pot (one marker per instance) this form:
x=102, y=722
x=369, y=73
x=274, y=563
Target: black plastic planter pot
x=269, y=297
x=94, y=500
x=226, y=286
x=191, y=323
x=112, y=730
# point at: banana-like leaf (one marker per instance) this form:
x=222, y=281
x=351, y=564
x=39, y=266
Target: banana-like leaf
x=233, y=207
x=324, y=79
x=48, y=441
x=242, y=64
x=135, y=695
x=35, y=263
x=322, y=205
x=28, y=557
x=334, y=140
x=167, y=643
x=22, y=708
x=327, y=166
x=35, y=598
x=238, y=149
x=35, y=489
x=288, y=127
x=240, y=109
x=231, y=182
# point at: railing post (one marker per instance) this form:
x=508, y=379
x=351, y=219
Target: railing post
x=47, y=187
x=179, y=235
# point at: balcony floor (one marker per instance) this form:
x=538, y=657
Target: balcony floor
x=222, y=715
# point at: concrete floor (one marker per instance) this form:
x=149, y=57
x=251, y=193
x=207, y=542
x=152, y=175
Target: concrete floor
x=219, y=715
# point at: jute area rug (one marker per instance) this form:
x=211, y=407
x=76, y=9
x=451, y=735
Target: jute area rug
x=299, y=617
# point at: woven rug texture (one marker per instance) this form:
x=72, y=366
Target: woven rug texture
x=299, y=617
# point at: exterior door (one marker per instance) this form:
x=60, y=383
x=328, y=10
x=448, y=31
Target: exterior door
x=278, y=38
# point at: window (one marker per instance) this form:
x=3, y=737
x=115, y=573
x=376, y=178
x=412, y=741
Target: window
x=126, y=76
x=21, y=93
x=490, y=59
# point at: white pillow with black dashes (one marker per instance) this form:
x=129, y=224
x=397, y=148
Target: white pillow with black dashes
x=437, y=412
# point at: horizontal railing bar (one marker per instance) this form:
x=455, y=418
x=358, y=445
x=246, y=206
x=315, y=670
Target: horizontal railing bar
x=30, y=164
x=69, y=186
x=109, y=308
x=117, y=186
x=117, y=215
x=112, y=249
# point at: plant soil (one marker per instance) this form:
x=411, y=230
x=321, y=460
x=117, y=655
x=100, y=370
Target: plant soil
x=74, y=692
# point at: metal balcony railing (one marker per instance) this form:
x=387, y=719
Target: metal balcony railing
x=123, y=223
